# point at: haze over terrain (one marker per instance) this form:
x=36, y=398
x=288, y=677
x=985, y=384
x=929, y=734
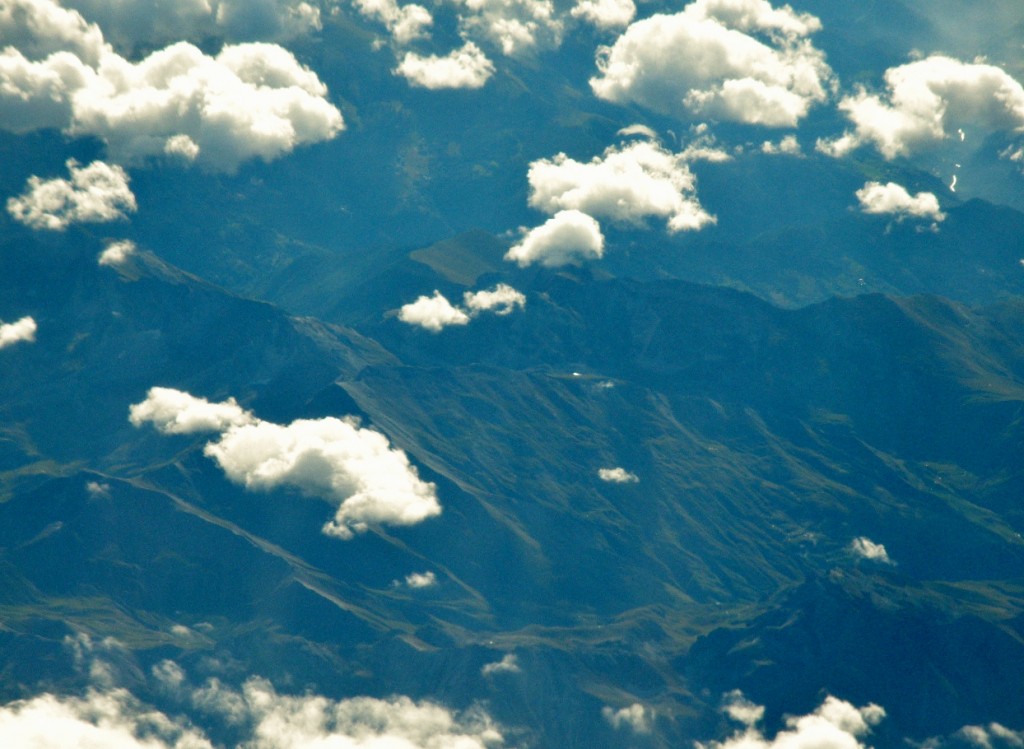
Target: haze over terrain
x=511, y=373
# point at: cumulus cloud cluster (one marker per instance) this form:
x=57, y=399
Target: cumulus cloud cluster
x=435, y=313
x=17, y=332
x=926, y=102
x=635, y=717
x=865, y=548
x=626, y=185
x=113, y=718
x=514, y=26
x=405, y=22
x=96, y=193
x=108, y=718
x=617, y=475
x=568, y=237
x=892, y=199
x=465, y=67
x=276, y=721
x=605, y=14
x=133, y=23
x=737, y=60
x=252, y=100
x=335, y=459
x=836, y=724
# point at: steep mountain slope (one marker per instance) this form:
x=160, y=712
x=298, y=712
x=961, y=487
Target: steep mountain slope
x=762, y=441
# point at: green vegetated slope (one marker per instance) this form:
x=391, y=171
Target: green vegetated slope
x=764, y=442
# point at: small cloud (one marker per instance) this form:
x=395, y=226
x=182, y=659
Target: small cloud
x=893, y=200
x=501, y=300
x=635, y=717
x=507, y=665
x=97, y=490
x=992, y=736
x=605, y=14
x=175, y=412
x=865, y=548
x=406, y=23
x=466, y=67
x=421, y=580
x=23, y=330
x=516, y=27
x=434, y=313
x=638, y=130
x=96, y=193
x=626, y=184
x=568, y=237
x=116, y=253
x=836, y=723
x=334, y=459
x=742, y=710
x=617, y=476
x=789, y=146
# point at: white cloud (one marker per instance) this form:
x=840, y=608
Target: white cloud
x=111, y=719
x=466, y=67
x=635, y=716
x=172, y=411
x=331, y=458
x=567, y=237
x=421, y=580
x=303, y=722
x=95, y=193
x=617, y=475
x=432, y=312
x=788, y=145
x=436, y=313
x=97, y=490
x=894, y=200
x=626, y=184
x=334, y=459
x=36, y=95
x=133, y=23
x=637, y=129
x=117, y=253
x=509, y=664
x=516, y=26
x=405, y=22
x=836, y=724
x=742, y=710
x=987, y=737
x=928, y=101
x=501, y=300
x=17, y=331
x=605, y=14
x=250, y=100
x=867, y=549
x=739, y=60
x=267, y=19
x=39, y=28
